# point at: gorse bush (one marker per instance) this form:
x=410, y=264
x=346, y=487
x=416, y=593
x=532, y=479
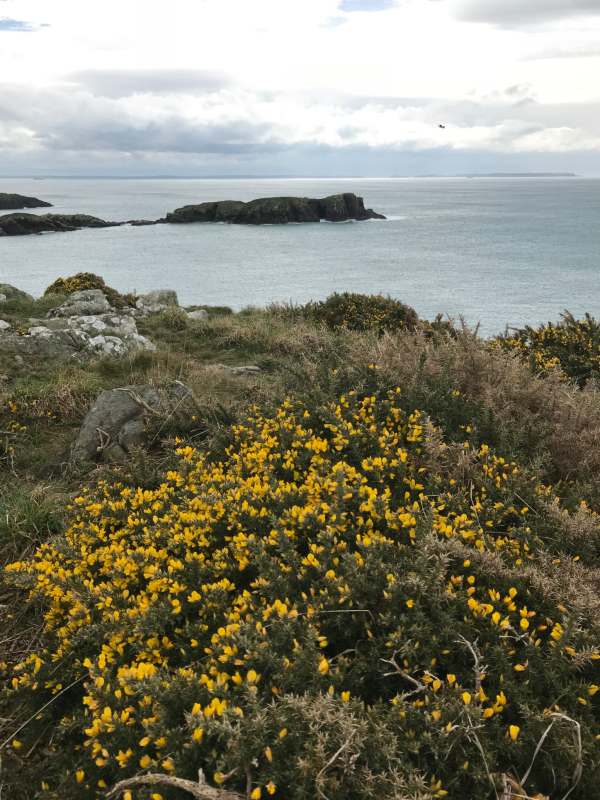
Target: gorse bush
x=572, y=344
x=362, y=312
x=342, y=602
x=87, y=280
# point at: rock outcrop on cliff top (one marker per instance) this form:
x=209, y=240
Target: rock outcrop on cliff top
x=13, y=202
x=24, y=224
x=277, y=210
x=84, y=326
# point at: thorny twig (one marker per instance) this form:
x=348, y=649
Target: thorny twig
x=331, y=761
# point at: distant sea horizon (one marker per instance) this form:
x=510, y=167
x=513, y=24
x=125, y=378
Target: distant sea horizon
x=495, y=252
x=290, y=177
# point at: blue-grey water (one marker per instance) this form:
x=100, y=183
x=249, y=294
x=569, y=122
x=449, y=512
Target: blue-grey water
x=496, y=251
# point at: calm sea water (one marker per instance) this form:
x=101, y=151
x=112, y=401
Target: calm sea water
x=496, y=251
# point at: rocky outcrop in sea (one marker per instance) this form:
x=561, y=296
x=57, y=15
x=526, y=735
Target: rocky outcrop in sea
x=264, y=211
x=277, y=211
x=25, y=224
x=10, y=202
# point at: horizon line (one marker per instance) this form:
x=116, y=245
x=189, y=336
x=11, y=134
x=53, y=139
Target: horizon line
x=166, y=176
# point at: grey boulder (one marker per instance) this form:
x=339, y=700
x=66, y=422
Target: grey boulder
x=82, y=303
x=117, y=421
x=199, y=313
x=157, y=301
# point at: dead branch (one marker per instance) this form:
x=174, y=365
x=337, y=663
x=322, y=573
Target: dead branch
x=579, y=766
x=200, y=790
x=419, y=687
x=478, y=667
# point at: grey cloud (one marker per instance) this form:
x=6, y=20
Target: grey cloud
x=168, y=136
x=515, y=13
x=367, y=5
x=566, y=51
x=123, y=83
x=63, y=122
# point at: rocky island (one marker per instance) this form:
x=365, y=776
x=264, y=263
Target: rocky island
x=13, y=202
x=25, y=224
x=264, y=211
x=277, y=211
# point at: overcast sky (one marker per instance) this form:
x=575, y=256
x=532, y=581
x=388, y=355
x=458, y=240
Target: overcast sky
x=302, y=87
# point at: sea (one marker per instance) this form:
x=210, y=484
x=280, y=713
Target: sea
x=495, y=252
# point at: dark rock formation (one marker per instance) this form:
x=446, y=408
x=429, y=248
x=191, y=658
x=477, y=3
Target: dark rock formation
x=11, y=202
x=264, y=211
x=277, y=210
x=24, y=224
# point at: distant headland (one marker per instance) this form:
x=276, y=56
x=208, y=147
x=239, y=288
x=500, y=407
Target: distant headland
x=499, y=175
x=520, y=175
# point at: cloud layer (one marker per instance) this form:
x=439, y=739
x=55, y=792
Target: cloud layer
x=524, y=12
x=155, y=113
x=276, y=86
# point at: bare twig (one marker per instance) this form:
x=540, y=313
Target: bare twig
x=472, y=735
x=419, y=687
x=579, y=766
x=200, y=790
x=248, y=780
x=478, y=667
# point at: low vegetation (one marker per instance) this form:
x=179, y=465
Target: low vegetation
x=572, y=344
x=369, y=570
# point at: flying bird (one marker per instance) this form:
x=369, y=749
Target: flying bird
x=443, y=127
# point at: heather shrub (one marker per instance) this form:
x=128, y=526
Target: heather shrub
x=344, y=601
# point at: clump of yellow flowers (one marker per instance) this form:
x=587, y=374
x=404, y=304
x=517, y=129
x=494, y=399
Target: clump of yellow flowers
x=340, y=600
x=572, y=345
